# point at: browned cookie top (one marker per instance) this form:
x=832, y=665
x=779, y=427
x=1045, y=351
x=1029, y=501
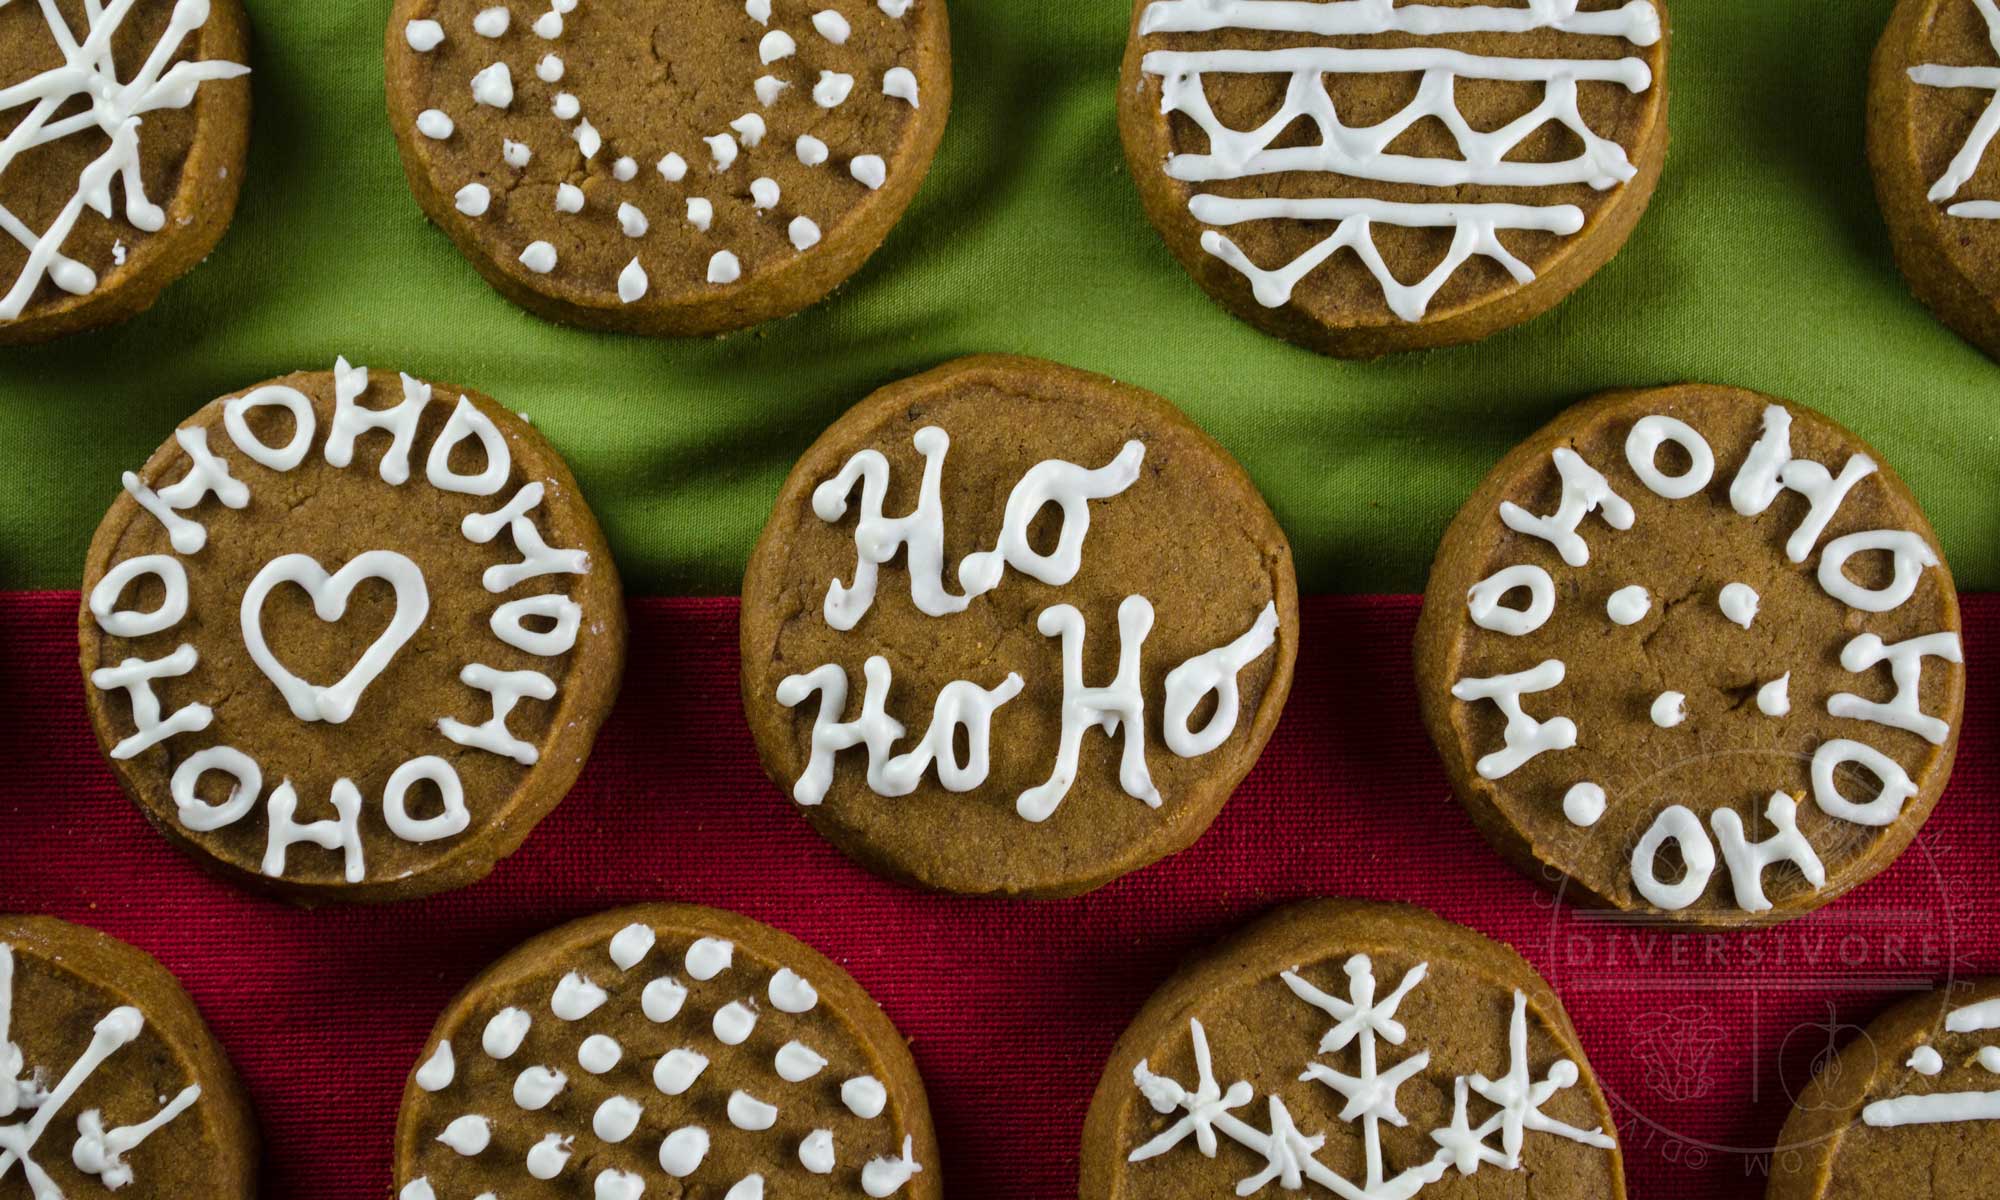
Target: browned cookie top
x=1950, y=80
x=665, y=1050
x=1366, y=162
x=1344, y=1049
x=1910, y=1107
x=1015, y=628
x=109, y=1082
x=654, y=154
x=350, y=636
x=110, y=103
x=1694, y=649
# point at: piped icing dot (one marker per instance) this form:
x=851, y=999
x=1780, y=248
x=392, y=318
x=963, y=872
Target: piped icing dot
x=811, y=151
x=750, y=128
x=724, y=268
x=816, y=1152
x=709, y=957
x=625, y=170
x=539, y=257
x=536, y=1087
x=504, y=1033
x=900, y=83
x=549, y=26
x=759, y=10
x=1669, y=709
x=790, y=993
x=677, y=1070
x=550, y=69
x=1738, y=602
x=613, y=1184
x=469, y=1135
x=768, y=89
x=576, y=997
x=775, y=45
x=435, y=124
x=797, y=1062
x=870, y=171
x=893, y=9
x=662, y=999
x=1774, y=698
x=748, y=1113
x=832, y=89
x=438, y=1070
x=632, y=282
x=473, y=199
x=631, y=221
x=548, y=1157
x=616, y=1118
x=733, y=1023
x=831, y=26
x=700, y=213
x=721, y=151
x=493, y=86
x=764, y=193
x=569, y=198
x=492, y=22
x=1583, y=804
x=1925, y=1060
x=599, y=1053
x=864, y=1096
x=631, y=944
x=1628, y=605
x=565, y=106
x=515, y=153
x=673, y=168
x=682, y=1151
x=804, y=233
x=423, y=36
x=588, y=140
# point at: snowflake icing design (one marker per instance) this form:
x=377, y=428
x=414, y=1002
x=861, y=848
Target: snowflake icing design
x=117, y=110
x=97, y=1151
x=1362, y=1021
x=1965, y=164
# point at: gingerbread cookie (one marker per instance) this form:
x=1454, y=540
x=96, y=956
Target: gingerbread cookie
x=1478, y=161
x=348, y=637
x=110, y=1084
x=665, y=1050
x=1354, y=1050
x=1693, y=652
x=1115, y=572
x=1911, y=1108
x=669, y=167
x=1933, y=108
x=122, y=165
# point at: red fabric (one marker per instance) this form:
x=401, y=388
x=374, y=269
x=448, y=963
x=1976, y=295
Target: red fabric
x=1011, y=1007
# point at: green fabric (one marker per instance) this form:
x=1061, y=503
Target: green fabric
x=1762, y=262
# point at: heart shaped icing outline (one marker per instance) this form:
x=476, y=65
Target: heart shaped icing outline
x=330, y=593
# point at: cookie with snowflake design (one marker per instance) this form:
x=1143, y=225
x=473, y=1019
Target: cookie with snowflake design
x=1933, y=108
x=667, y=167
x=349, y=636
x=110, y=1084
x=665, y=1050
x=1909, y=1107
x=1341, y=1048
x=1015, y=628
x=1694, y=652
x=1364, y=176
x=123, y=131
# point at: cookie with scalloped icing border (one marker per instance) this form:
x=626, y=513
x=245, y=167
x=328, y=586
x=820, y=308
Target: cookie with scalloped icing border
x=1362, y=177
x=1015, y=628
x=110, y=1082
x=348, y=636
x=1909, y=1107
x=667, y=167
x=122, y=159
x=1933, y=103
x=665, y=1050
x=1343, y=1048
x=1693, y=652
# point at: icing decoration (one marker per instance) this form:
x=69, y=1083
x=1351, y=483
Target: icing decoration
x=566, y=107
x=709, y=957
x=677, y=1070
x=1905, y=661
x=491, y=22
x=792, y=994
x=682, y=1151
x=468, y=1136
x=733, y=1023
x=550, y=70
x=833, y=89
x=539, y=257
x=878, y=538
x=764, y=193
x=423, y=36
x=473, y=199
x=1885, y=807
x=662, y=1000
x=1910, y=553
x=1583, y=804
x=507, y=688
x=1364, y=1022
x=816, y=1152
x=1669, y=709
x=1679, y=825
x=1924, y=1060
x=576, y=997
x=1941, y=1108
x=1642, y=448
x=632, y=222
x=884, y=1176
x=493, y=86
x=751, y=129
x=136, y=677
x=831, y=26
x=1584, y=491
x=1770, y=469
x=1363, y=152
x=869, y=171
x=330, y=593
x=724, y=268
x=438, y=1070
x=1738, y=602
x=864, y=1096
x=630, y=945
x=1214, y=672
x=341, y=832
x=509, y=624
x=959, y=705
x=515, y=154
x=202, y=817
x=803, y=233
x=1628, y=605
x=615, y=1120
x=548, y=1157
x=206, y=475
x=350, y=421
x=94, y=100
x=504, y=1033
x=1774, y=698
x=810, y=150
x=632, y=282
x=454, y=818
x=900, y=83
x=750, y=1187
x=467, y=421
x=1523, y=737
x=1746, y=860
x=1965, y=164
x=749, y=1113
x=1484, y=605
x=1119, y=704
x=235, y=420
x=97, y=1151
x=796, y=1062
x=569, y=198
x=537, y=557
x=126, y=623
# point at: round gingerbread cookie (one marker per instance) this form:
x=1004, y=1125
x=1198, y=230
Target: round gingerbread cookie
x=665, y=1050
x=1363, y=177
x=1079, y=695
x=120, y=168
x=1341, y=1048
x=349, y=637
x=110, y=1084
x=1693, y=652
x=1910, y=1108
x=667, y=167
x=1933, y=107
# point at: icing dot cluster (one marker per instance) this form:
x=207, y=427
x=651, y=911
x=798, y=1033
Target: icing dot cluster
x=702, y=1002
x=702, y=176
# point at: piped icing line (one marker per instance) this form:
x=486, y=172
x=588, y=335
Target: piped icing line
x=97, y=1151
x=959, y=704
x=1214, y=672
x=1965, y=163
x=1119, y=706
x=116, y=109
x=1523, y=737
x=1362, y=152
x=1290, y=1155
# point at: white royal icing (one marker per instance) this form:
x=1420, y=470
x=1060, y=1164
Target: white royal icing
x=1679, y=825
x=682, y=1150
x=1738, y=602
x=1119, y=706
x=790, y=993
x=1483, y=602
x=1583, y=804
x=1214, y=672
x=1584, y=491
x=1628, y=605
x=1965, y=163
x=677, y=1070
x=438, y=1070
x=1642, y=448
x=1669, y=709
x=537, y=1087
x=1770, y=469
x=1909, y=553
x=136, y=677
x=1774, y=699
x=1524, y=737
x=1746, y=860
x=959, y=704
x=1895, y=786
x=335, y=703
x=1905, y=659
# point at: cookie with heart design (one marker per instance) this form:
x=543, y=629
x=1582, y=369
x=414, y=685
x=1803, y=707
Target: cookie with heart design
x=1014, y=628
x=1338, y=1048
x=665, y=1050
x=667, y=167
x=349, y=636
x=110, y=1083
x=1693, y=652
